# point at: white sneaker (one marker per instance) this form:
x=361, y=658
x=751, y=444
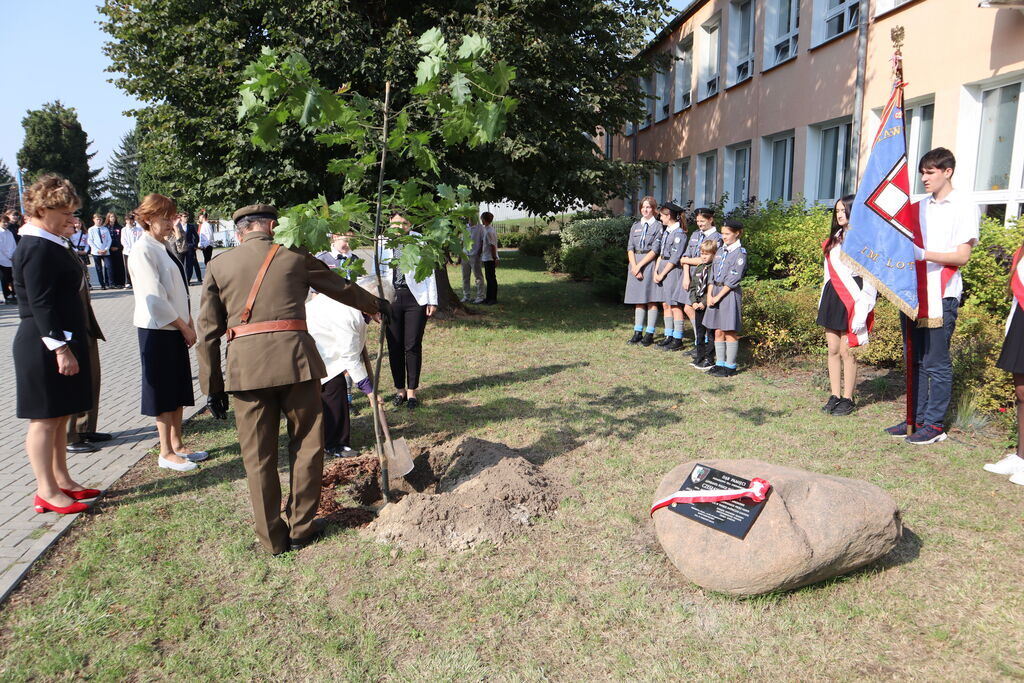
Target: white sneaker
x=1011, y=464
x=195, y=456
x=176, y=466
x=1017, y=478
x=478, y=300
x=464, y=299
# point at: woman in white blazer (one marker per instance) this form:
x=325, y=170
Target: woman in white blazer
x=415, y=301
x=166, y=331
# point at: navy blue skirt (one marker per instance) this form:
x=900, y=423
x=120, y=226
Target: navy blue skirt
x=166, y=371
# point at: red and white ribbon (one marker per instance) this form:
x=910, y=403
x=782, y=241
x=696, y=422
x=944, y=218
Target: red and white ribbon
x=757, y=492
x=858, y=301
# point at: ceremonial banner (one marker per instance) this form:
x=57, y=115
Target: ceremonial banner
x=884, y=224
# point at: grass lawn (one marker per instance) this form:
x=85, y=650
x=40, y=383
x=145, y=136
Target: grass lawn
x=165, y=580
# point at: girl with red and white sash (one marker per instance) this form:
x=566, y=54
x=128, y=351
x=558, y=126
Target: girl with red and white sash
x=1011, y=359
x=846, y=311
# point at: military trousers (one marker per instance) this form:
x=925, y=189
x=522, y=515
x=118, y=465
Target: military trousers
x=258, y=418
x=85, y=423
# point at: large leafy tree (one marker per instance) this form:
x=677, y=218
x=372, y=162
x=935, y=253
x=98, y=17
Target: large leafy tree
x=56, y=143
x=576, y=74
x=122, y=179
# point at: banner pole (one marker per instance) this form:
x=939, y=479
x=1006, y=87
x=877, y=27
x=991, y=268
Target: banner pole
x=908, y=345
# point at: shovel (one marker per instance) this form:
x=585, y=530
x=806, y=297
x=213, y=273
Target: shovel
x=396, y=451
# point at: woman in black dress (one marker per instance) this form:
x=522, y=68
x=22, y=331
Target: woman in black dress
x=51, y=359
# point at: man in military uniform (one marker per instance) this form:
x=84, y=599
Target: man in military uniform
x=256, y=294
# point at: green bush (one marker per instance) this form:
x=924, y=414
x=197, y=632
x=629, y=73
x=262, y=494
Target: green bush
x=536, y=245
x=576, y=262
x=784, y=242
x=780, y=323
x=885, y=345
x=986, y=275
x=607, y=269
x=597, y=233
x=511, y=240
x=553, y=259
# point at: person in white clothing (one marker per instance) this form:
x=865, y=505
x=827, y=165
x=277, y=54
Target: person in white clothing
x=130, y=234
x=472, y=265
x=7, y=245
x=205, y=238
x=489, y=257
x=340, y=335
x=99, y=246
x=949, y=227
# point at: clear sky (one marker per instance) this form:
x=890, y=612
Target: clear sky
x=54, y=52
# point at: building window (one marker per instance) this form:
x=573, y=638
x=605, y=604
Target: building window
x=663, y=79
x=741, y=41
x=834, y=18
x=709, y=58
x=737, y=174
x=647, y=88
x=918, y=121
x=999, y=115
x=834, y=176
x=781, y=31
x=707, y=178
x=682, y=72
x=777, y=165
x=681, y=181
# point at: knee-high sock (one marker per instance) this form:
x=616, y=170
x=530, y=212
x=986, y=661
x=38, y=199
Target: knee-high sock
x=652, y=320
x=668, y=325
x=677, y=330
x=731, y=349
x=719, y=353
x=638, y=319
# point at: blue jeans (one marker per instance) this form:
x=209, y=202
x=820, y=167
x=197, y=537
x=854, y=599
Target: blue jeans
x=933, y=369
x=103, y=271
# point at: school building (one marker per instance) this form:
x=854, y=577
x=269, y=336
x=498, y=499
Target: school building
x=760, y=99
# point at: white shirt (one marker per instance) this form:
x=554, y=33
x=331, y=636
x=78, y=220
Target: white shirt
x=424, y=291
x=99, y=239
x=129, y=236
x=945, y=225
x=489, y=238
x=157, y=285
x=7, y=245
x=340, y=335
x=205, y=234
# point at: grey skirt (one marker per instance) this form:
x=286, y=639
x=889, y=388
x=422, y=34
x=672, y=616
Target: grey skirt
x=677, y=295
x=641, y=291
x=727, y=314
x=665, y=291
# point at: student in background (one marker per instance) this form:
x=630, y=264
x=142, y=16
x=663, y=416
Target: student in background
x=472, y=265
x=667, y=274
x=700, y=279
x=489, y=256
x=705, y=219
x=340, y=256
x=99, y=247
x=643, y=248
x=725, y=300
x=845, y=311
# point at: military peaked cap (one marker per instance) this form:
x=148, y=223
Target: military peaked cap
x=262, y=210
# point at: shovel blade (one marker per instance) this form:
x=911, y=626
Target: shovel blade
x=399, y=458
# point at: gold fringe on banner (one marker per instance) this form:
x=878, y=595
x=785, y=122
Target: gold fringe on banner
x=896, y=301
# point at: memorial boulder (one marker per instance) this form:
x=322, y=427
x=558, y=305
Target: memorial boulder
x=812, y=527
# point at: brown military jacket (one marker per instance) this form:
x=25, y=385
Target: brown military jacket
x=271, y=359
x=92, y=326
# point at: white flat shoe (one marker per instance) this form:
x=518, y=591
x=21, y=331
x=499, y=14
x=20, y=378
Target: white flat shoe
x=196, y=456
x=176, y=466
x=1011, y=464
x=1017, y=478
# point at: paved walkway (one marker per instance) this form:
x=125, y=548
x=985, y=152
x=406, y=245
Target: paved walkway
x=25, y=535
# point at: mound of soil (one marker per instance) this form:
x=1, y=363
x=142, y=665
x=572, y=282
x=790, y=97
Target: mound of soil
x=481, y=491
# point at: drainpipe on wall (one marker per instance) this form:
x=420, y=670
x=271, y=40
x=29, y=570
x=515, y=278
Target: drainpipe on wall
x=858, y=97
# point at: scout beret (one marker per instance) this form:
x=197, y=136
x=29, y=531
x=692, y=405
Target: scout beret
x=262, y=210
x=673, y=207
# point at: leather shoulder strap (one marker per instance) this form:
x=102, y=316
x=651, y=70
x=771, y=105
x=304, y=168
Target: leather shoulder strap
x=247, y=313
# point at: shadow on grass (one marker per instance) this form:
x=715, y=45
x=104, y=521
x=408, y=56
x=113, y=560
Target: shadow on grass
x=502, y=379
x=882, y=387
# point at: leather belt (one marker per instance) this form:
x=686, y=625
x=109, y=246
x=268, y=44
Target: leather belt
x=264, y=327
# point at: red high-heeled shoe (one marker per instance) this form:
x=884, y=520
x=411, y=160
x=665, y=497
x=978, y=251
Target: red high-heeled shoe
x=42, y=506
x=83, y=494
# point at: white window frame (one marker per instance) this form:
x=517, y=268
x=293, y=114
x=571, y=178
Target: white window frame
x=707, y=196
x=916, y=146
x=710, y=58
x=774, y=39
x=848, y=9
x=740, y=64
x=663, y=94
x=767, y=165
x=845, y=176
x=969, y=126
x=646, y=87
x=682, y=75
x=681, y=181
x=884, y=6
x=733, y=172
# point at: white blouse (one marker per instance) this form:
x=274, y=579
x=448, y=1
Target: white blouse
x=161, y=296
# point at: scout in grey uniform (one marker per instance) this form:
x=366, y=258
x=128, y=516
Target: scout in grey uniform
x=725, y=302
x=705, y=219
x=644, y=246
x=667, y=274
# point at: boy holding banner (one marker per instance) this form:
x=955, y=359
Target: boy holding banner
x=949, y=230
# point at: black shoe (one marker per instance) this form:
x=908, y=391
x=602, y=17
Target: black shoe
x=830, y=404
x=899, y=430
x=300, y=543
x=647, y=340
x=675, y=344
x=413, y=403
x=726, y=371
x=664, y=342
x=844, y=406
x=716, y=370
x=705, y=364
x=635, y=339
x=82, y=447
x=397, y=400
x=96, y=436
